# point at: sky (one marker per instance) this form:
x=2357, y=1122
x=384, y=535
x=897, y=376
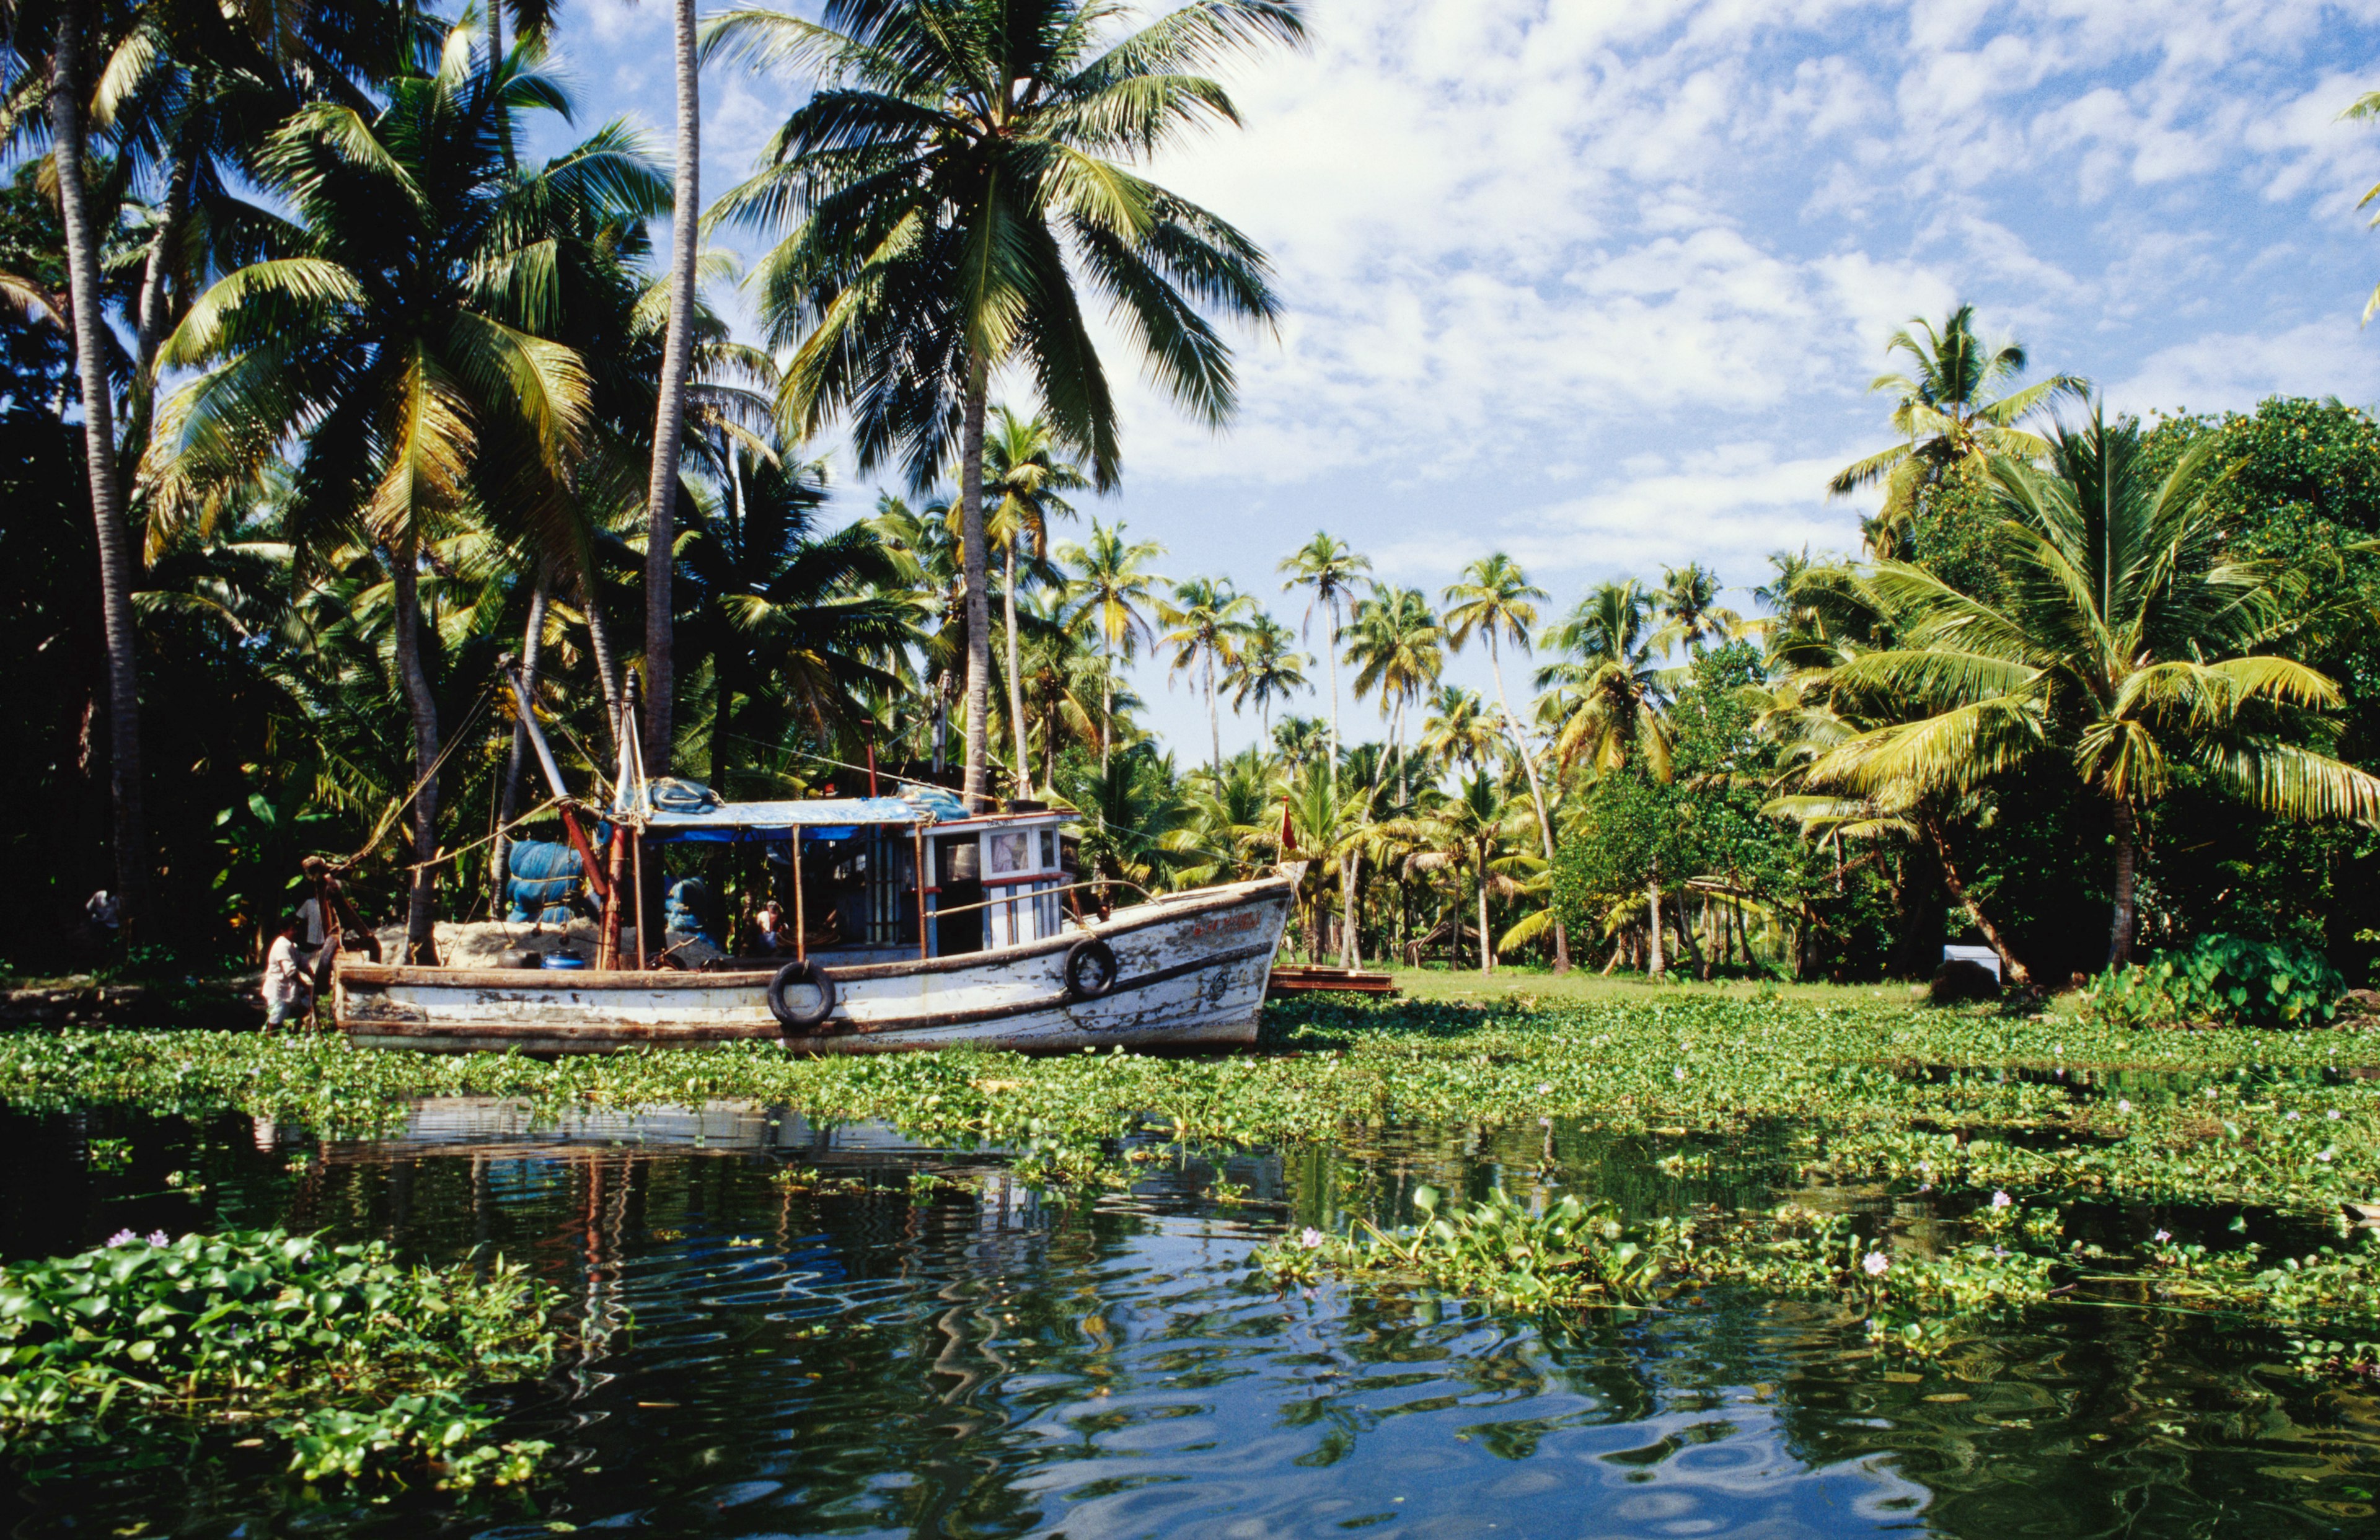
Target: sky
x=1602, y=283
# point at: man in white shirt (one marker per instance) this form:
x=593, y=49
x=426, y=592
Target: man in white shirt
x=286, y=995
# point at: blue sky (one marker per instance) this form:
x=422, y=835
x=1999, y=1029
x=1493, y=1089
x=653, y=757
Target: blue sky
x=1602, y=283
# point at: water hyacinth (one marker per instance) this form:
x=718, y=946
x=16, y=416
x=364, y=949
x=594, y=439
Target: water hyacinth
x=1874, y=1264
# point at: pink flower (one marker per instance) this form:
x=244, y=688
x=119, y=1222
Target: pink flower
x=1874, y=1264
x=1311, y=1239
x=2001, y=1201
x=2163, y=1236
x=122, y=1238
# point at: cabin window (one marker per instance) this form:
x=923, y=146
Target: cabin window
x=1011, y=852
x=1049, y=850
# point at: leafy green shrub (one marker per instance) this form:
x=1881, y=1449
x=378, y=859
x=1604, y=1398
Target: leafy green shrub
x=2230, y=980
x=354, y=1362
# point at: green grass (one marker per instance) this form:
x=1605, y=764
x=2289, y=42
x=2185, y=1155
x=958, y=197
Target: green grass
x=1541, y=986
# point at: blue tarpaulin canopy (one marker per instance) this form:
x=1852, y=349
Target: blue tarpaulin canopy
x=685, y=817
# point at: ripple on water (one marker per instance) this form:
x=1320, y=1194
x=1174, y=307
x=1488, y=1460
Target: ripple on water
x=979, y=1362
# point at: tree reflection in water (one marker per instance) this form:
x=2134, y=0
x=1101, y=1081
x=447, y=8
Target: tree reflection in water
x=799, y=1357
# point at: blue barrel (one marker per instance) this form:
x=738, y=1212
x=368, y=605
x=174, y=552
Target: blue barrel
x=556, y=960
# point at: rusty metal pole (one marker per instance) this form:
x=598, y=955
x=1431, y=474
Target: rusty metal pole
x=801, y=941
x=918, y=832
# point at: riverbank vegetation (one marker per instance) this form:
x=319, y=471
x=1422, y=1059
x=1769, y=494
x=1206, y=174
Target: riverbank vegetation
x=2090, y=686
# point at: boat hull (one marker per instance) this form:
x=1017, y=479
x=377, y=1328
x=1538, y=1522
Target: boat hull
x=1191, y=970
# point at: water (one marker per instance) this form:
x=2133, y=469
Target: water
x=980, y=1363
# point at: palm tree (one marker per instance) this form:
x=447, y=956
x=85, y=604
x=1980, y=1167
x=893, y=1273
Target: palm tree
x=1205, y=620
x=70, y=90
x=925, y=555
x=1108, y=590
x=1946, y=418
x=1329, y=568
x=1266, y=668
x=1467, y=829
x=1458, y=731
x=1495, y=600
x=668, y=408
x=403, y=336
x=792, y=622
x=1024, y=468
x=2128, y=639
x=959, y=166
x=1690, y=611
x=1130, y=815
x=1328, y=826
x=1299, y=742
x=1606, y=694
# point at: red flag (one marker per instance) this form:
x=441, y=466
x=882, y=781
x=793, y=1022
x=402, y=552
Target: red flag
x=1288, y=836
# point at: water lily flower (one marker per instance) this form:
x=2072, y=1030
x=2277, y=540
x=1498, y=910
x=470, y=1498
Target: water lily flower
x=2001, y=1201
x=2332, y=1114
x=2123, y=1106
x=2210, y=1093
x=1544, y=1089
x=1875, y=1263
x=2288, y=1117
x=122, y=1238
x=1680, y=1073
x=2163, y=1236
x=1311, y=1239
x=158, y=1238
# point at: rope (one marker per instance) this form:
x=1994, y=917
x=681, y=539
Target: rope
x=461, y=851
x=456, y=740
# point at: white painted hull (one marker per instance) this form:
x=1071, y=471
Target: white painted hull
x=1191, y=970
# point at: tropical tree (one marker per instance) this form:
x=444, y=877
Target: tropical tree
x=1329, y=821
x=1265, y=668
x=1300, y=741
x=962, y=166
x=668, y=408
x=925, y=552
x=1947, y=418
x=70, y=83
x=1465, y=831
x=1495, y=602
x=1691, y=615
x=1131, y=813
x=795, y=625
x=2128, y=641
x=402, y=335
x=1459, y=731
x=1329, y=568
x=1204, y=621
x=1025, y=471
x=1110, y=589
x=1605, y=693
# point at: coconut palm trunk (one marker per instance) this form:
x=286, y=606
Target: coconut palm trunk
x=1953, y=880
x=975, y=787
x=1016, y=684
x=669, y=419
x=1107, y=704
x=420, y=906
x=1654, y=966
x=1214, y=722
x=68, y=91
x=598, y=643
x=2128, y=846
x=1536, y=794
x=1334, y=609
x=181, y=178
x=1486, y=946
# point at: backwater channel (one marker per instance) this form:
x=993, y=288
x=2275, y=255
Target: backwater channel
x=777, y=1353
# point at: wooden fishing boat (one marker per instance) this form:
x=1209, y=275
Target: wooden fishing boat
x=938, y=927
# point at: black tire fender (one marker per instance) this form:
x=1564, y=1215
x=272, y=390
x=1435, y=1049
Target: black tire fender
x=795, y=974
x=1091, y=969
